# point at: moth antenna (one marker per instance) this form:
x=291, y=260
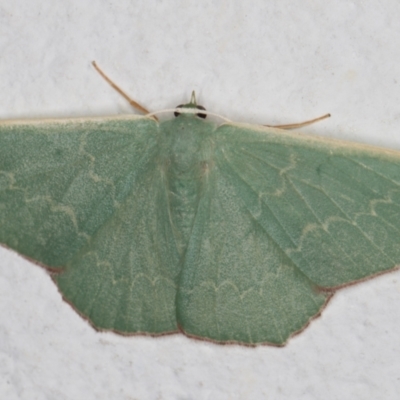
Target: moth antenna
x=300, y=124
x=132, y=102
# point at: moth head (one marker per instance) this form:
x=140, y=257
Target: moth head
x=192, y=105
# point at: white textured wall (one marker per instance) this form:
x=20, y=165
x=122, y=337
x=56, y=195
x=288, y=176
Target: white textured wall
x=259, y=61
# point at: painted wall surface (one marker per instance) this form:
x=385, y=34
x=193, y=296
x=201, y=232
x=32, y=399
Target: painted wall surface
x=270, y=62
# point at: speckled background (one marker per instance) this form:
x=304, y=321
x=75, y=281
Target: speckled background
x=255, y=61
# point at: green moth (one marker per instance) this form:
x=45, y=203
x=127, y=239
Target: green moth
x=230, y=233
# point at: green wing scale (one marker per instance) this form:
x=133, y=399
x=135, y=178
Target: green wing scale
x=236, y=233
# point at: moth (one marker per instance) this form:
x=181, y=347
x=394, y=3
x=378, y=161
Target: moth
x=233, y=233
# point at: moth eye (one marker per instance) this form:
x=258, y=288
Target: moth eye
x=178, y=113
x=201, y=115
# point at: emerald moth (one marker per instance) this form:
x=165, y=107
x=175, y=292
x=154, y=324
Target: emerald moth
x=233, y=233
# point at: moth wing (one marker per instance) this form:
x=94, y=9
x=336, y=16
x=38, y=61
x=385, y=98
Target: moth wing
x=332, y=206
x=87, y=199
x=284, y=221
